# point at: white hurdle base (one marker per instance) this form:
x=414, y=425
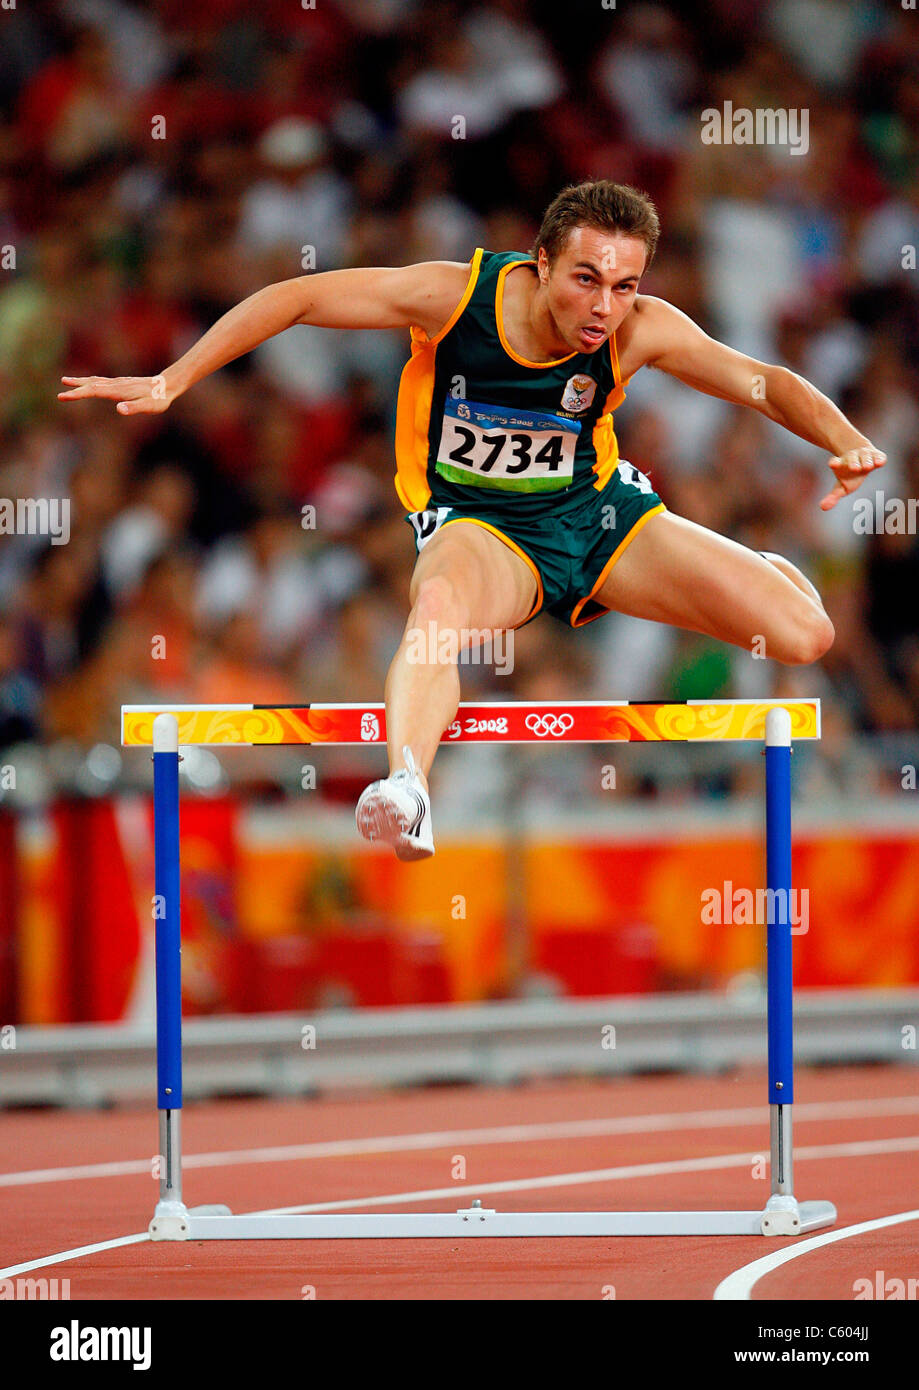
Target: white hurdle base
x=218, y=1223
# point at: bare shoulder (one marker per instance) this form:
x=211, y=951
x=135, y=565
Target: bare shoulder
x=648, y=329
x=432, y=290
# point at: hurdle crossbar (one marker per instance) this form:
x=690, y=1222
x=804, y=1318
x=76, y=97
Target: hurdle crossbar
x=774, y=723
x=571, y=721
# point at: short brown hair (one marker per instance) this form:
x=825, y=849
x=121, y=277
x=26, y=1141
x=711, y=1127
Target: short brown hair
x=606, y=206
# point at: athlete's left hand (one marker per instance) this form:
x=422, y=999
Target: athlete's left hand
x=851, y=469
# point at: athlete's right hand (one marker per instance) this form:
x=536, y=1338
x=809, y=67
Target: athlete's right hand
x=134, y=395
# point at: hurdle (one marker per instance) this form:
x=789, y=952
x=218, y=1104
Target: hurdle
x=775, y=724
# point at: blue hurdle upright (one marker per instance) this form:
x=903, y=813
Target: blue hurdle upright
x=782, y=1215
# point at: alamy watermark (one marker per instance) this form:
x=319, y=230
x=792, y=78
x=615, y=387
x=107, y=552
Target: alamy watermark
x=28, y=1290
x=881, y=515
x=80, y=1342
x=36, y=516
x=887, y=1289
x=764, y=126
x=437, y=645
x=730, y=906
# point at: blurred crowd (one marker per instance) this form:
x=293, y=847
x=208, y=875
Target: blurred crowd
x=160, y=163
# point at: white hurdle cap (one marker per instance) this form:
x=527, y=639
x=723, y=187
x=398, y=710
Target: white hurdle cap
x=165, y=734
x=778, y=728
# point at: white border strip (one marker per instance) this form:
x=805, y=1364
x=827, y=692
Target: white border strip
x=498, y=704
x=739, y=1285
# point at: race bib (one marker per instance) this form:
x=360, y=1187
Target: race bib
x=515, y=450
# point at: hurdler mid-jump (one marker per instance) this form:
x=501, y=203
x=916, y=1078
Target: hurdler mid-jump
x=507, y=462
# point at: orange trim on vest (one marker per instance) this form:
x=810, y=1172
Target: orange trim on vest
x=499, y=320
x=604, y=440
x=419, y=335
x=606, y=447
x=487, y=526
x=413, y=406
x=614, y=358
x=623, y=545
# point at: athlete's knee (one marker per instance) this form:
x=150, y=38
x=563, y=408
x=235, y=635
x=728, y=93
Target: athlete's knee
x=810, y=639
x=437, y=600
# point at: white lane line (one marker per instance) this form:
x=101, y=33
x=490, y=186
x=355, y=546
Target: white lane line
x=76, y=1254
x=599, y=1175
x=739, y=1285
x=498, y=1134
x=861, y=1149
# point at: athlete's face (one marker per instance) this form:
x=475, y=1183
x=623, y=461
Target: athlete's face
x=591, y=284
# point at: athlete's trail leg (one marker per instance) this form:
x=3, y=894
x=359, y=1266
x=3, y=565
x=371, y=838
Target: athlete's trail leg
x=464, y=579
x=682, y=574
x=793, y=573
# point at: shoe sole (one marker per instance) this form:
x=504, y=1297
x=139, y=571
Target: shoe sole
x=377, y=819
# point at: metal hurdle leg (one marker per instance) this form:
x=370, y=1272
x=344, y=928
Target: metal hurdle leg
x=783, y=1215
x=172, y=1220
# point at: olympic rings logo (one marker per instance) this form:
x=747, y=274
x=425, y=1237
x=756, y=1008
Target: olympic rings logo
x=554, y=724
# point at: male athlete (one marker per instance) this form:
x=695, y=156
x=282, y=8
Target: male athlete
x=507, y=462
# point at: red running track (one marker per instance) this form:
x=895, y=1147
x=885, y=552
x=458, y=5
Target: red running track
x=856, y=1138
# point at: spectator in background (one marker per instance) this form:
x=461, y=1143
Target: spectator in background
x=76, y=107
x=266, y=574
x=824, y=39
x=20, y=696
x=142, y=531
x=885, y=236
x=443, y=228
x=456, y=85
x=350, y=660
x=887, y=404
x=161, y=608
x=892, y=582
x=234, y=669
x=520, y=62
x=35, y=321
x=37, y=465
x=143, y=325
x=647, y=77
x=820, y=341
x=65, y=607
x=299, y=201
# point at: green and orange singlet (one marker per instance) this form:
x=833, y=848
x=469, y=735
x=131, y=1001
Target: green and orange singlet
x=526, y=449
x=467, y=383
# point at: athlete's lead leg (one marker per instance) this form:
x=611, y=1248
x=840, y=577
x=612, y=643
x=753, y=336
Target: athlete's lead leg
x=466, y=581
x=679, y=573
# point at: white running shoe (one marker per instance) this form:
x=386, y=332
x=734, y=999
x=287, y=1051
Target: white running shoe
x=397, y=810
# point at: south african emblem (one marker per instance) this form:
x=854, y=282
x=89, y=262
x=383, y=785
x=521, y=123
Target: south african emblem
x=578, y=393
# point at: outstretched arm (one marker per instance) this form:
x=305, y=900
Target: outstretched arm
x=373, y=297
x=671, y=341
